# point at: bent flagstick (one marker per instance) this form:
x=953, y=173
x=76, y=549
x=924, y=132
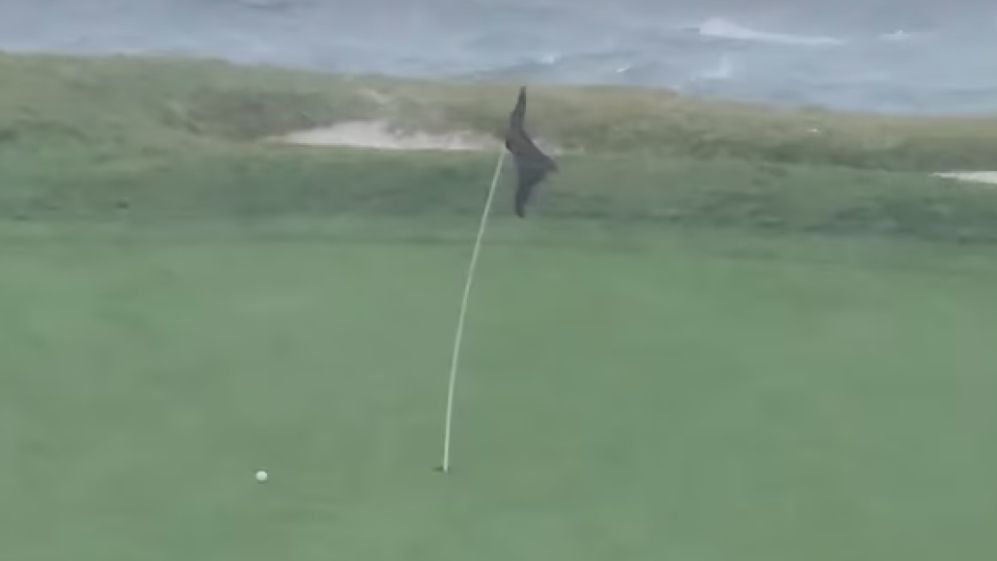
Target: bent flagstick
x=458, y=337
x=532, y=166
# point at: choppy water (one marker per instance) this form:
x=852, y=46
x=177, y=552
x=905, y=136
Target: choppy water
x=878, y=56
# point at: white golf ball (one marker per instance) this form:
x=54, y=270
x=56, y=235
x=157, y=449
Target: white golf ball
x=262, y=476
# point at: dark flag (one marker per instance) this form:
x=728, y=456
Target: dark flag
x=532, y=165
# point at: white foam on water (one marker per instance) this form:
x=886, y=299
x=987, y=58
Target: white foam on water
x=724, y=70
x=727, y=29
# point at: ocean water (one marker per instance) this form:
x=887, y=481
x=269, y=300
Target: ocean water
x=905, y=56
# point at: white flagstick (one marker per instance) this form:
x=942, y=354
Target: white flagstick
x=454, y=359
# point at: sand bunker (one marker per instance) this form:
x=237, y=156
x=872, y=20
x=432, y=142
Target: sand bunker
x=380, y=135
x=989, y=177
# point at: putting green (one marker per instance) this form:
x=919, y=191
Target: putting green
x=637, y=394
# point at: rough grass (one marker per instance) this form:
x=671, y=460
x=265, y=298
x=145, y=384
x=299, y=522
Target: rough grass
x=128, y=100
x=145, y=139
x=257, y=182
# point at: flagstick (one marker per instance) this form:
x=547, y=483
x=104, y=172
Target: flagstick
x=455, y=358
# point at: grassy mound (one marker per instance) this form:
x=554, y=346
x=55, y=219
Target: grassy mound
x=120, y=137
x=131, y=99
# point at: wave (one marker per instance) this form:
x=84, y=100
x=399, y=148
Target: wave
x=902, y=35
x=727, y=29
x=724, y=70
x=581, y=67
x=550, y=58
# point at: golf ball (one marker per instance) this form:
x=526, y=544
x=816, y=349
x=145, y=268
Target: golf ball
x=262, y=476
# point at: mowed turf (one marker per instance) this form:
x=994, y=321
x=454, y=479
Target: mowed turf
x=625, y=394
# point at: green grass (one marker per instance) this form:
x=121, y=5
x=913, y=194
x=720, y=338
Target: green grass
x=716, y=337
x=158, y=139
x=152, y=104
x=262, y=182
x=623, y=396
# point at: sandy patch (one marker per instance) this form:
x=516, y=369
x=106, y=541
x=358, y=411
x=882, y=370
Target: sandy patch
x=989, y=177
x=379, y=135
